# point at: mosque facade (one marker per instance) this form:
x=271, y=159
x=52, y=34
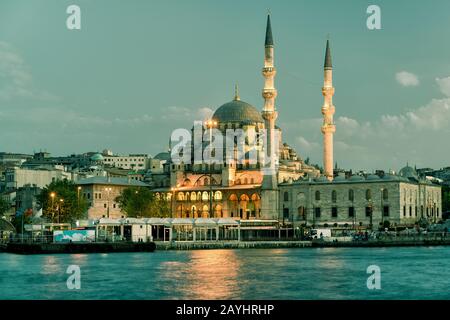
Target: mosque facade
x=285, y=188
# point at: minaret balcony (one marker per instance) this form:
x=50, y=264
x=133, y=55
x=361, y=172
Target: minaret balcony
x=328, y=91
x=269, y=93
x=269, y=72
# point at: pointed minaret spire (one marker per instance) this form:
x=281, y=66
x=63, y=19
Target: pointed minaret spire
x=328, y=126
x=269, y=38
x=269, y=112
x=236, y=93
x=328, y=64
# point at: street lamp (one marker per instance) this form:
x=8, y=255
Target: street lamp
x=52, y=196
x=210, y=124
x=61, y=201
x=78, y=197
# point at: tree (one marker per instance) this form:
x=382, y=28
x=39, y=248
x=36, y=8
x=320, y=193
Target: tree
x=138, y=202
x=4, y=206
x=61, y=203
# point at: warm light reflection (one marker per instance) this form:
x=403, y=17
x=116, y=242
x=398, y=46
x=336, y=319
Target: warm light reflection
x=333, y=259
x=207, y=275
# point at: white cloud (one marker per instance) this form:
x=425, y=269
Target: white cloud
x=419, y=136
x=407, y=79
x=444, y=85
x=16, y=80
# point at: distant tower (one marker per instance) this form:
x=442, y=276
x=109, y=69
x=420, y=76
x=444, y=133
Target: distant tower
x=269, y=187
x=269, y=113
x=328, y=127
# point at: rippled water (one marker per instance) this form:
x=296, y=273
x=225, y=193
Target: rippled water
x=328, y=273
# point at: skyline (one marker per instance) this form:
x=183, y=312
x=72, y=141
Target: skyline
x=99, y=88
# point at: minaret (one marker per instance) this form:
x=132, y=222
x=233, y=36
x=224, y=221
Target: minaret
x=269, y=113
x=328, y=127
x=269, y=187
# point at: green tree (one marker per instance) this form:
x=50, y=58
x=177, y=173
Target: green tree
x=60, y=202
x=4, y=206
x=138, y=202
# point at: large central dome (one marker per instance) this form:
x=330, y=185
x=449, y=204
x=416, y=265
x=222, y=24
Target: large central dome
x=237, y=111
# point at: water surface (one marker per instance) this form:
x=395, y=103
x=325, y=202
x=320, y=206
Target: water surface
x=313, y=273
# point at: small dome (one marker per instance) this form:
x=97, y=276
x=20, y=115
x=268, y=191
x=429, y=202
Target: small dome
x=238, y=111
x=408, y=172
x=321, y=179
x=97, y=157
x=163, y=156
x=356, y=178
x=373, y=177
x=340, y=179
x=389, y=177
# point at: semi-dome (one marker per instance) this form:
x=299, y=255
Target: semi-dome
x=408, y=172
x=237, y=111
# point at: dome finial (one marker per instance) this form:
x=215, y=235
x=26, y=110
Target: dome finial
x=236, y=92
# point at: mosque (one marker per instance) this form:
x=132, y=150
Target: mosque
x=291, y=189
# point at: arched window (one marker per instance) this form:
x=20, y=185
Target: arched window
x=368, y=194
x=385, y=194
x=205, y=196
x=218, y=195
x=286, y=196
x=206, y=182
x=351, y=195
x=193, y=196
x=180, y=196
x=245, y=181
x=317, y=195
x=334, y=196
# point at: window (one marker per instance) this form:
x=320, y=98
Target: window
x=351, y=212
x=410, y=211
x=368, y=194
x=386, y=211
x=104, y=205
x=301, y=213
x=317, y=195
x=334, y=196
x=368, y=211
x=218, y=196
x=334, y=212
x=286, y=196
x=385, y=194
x=317, y=212
x=351, y=195
x=285, y=213
x=404, y=211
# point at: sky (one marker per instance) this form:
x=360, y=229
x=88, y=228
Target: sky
x=137, y=70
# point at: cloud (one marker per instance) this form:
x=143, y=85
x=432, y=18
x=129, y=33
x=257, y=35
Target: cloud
x=306, y=145
x=418, y=135
x=407, y=79
x=16, y=80
x=444, y=85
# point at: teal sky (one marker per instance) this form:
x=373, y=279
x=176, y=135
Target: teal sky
x=139, y=69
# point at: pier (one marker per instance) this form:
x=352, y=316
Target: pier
x=95, y=247
x=191, y=245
